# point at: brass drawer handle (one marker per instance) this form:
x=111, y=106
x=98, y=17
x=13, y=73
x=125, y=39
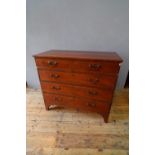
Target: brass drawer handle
x=92, y=93
x=91, y=104
x=58, y=99
x=52, y=63
x=55, y=76
x=94, y=80
x=56, y=87
x=94, y=66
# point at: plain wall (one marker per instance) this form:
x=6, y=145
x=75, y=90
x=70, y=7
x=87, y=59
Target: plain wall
x=101, y=25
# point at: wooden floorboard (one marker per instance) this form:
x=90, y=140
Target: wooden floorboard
x=70, y=132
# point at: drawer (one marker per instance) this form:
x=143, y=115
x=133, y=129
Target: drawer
x=74, y=102
x=79, y=91
x=70, y=65
x=93, y=79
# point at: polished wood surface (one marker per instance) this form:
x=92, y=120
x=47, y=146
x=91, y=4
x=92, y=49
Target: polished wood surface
x=78, y=76
x=77, y=91
x=75, y=102
x=71, y=132
x=83, y=66
x=87, y=79
x=75, y=54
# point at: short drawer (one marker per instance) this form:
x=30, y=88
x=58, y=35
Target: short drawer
x=93, y=79
x=70, y=65
x=74, y=102
x=79, y=91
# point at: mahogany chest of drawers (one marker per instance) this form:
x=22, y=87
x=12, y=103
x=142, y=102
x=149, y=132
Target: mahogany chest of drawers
x=78, y=79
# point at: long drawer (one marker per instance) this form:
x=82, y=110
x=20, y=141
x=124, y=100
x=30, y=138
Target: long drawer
x=80, y=91
x=74, y=102
x=94, y=79
x=55, y=64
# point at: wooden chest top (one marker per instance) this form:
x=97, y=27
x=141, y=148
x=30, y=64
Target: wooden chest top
x=74, y=54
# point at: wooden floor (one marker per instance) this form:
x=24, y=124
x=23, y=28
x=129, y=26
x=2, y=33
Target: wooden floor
x=68, y=132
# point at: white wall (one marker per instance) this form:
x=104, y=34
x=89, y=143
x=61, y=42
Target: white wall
x=77, y=25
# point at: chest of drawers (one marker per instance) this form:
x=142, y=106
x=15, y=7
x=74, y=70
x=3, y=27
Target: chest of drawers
x=78, y=79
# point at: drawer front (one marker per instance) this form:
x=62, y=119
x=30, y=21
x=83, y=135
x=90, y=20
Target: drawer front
x=70, y=90
x=106, y=67
x=94, y=79
x=74, y=102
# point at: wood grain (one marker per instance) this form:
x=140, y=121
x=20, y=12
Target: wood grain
x=80, y=66
x=75, y=54
x=76, y=103
x=77, y=91
x=93, y=79
x=71, y=132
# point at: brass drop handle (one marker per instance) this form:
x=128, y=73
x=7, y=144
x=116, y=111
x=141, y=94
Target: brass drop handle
x=91, y=104
x=58, y=99
x=94, y=80
x=52, y=63
x=55, y=76
x=94, y=66
x=56, y=87
x=92, y=93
